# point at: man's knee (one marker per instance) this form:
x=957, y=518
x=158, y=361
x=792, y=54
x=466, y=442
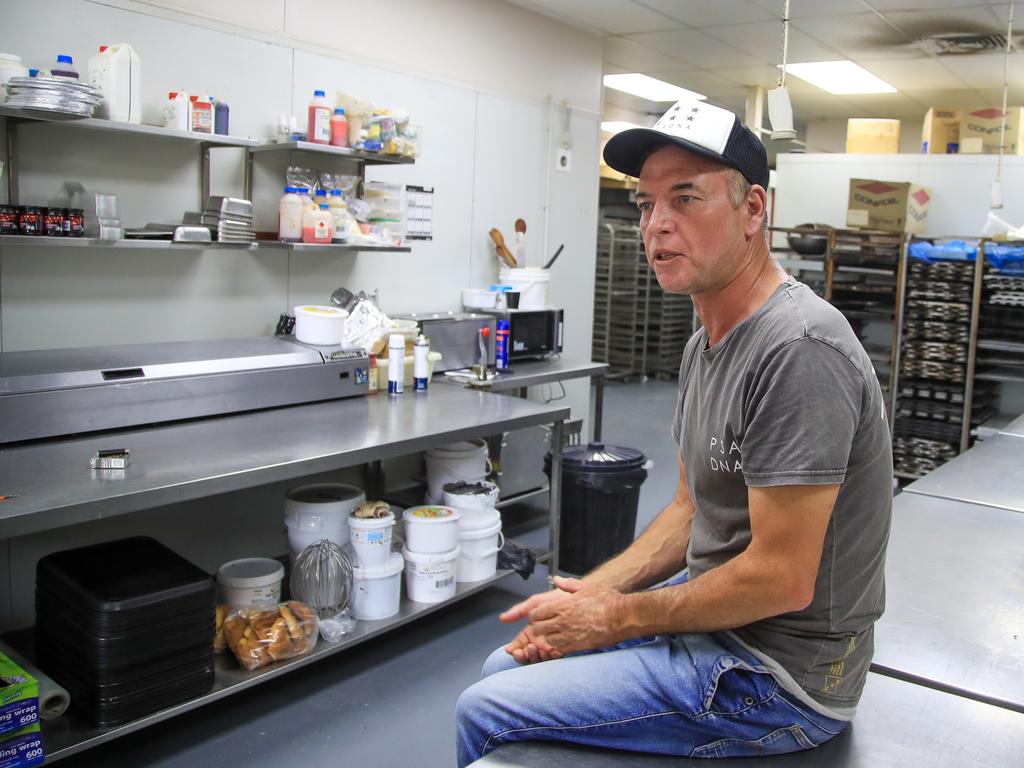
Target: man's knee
x=498, y=661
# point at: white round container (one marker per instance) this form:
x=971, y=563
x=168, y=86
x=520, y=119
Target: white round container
x=430, y=578
x=478, y=550
x=319, y=325
x=251, y=581
x=376, y=592
x=371, y=540
x=10, y=66
x=459, y=461
x=431, y=529
x=532, y=284
x=479, y=298
x=320, y=511
x=476, y=506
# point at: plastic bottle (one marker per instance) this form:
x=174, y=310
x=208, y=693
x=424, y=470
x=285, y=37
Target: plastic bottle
x=318, y=126
x=221, y=113
x=420, y=364
x=178, y=111
x=202, y=114
x=307, y=201
x=316, y=225
x=320, y=198
x=65, y=68
x=339, y=216
x=289, y=226
x=339, y=128
x=374, y=385
x=396, y=364
x=117, y=72
x=501, y=345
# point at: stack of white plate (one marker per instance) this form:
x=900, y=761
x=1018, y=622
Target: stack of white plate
x=53, y=94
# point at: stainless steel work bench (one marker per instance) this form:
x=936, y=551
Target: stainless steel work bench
x=52, y=486
x=1015, y=428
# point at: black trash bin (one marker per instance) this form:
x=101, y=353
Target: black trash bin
x=600, y=494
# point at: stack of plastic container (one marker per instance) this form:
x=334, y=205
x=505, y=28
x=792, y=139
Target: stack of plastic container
x=386, y=209
x=126, y=626
x=431, y=553
x=480, y=537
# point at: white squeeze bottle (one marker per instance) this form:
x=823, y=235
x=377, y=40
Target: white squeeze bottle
x=289, y=228
x=116, y=71
x=318, y=127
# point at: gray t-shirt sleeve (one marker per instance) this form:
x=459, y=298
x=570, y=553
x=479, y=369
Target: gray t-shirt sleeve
x=801, y=416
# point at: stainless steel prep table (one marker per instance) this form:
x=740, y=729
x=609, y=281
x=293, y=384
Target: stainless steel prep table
x=897, y=724
x=990, y=473
x=954, y=615
x=525, y=374
x=1015, y=428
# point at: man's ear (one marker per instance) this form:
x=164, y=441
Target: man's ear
x=756, y=209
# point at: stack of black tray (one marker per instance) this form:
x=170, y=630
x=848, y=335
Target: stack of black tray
x=126, y=626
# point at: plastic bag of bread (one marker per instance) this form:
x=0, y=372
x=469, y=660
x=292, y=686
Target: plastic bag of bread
x=261, y=636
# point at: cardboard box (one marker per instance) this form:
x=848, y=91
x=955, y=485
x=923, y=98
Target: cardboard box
x=872, y=137
x=979, y=131
x=22, y=749
x=940, y=134
x=19, y=697
x=891, y=206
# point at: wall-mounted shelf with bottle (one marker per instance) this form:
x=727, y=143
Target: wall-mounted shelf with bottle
x=328, y=247
x=367, y=158
x=123, y=244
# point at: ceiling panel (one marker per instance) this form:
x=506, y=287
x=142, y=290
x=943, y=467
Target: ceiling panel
x=632, y=57
x=902, y=5
x=704, y=13
x=810, y=8
x=695, y=47
x=896, y=105
x=768, y=76
x=701, y=80
x=919, y=74
x=813, y=107
x=959, y=97
x=986, y=70
x=613, y=17
x=861, y=37
x=973, y=19
x=763, y=40
x=635, y=103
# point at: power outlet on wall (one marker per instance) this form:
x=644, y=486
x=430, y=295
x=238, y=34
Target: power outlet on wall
x=563, y=160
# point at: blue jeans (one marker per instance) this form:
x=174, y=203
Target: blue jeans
x=690, y=695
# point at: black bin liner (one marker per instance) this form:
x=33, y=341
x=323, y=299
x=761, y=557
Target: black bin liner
x=600, y=496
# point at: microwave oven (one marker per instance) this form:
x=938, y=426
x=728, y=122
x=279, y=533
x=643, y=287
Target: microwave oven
x=532, y=333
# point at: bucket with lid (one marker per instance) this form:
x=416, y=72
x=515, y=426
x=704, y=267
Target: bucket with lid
x=431, y=529
x=475, y=501
x=530, y=282
x=430, y=578
x=371, y=539
x=466, y=461
x=479, y=546
x=600, y=495
x=251, y=581
x=319, y=511
x=376, y=592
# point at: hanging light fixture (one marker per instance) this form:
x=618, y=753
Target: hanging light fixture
x=997, y=184
x=780, y=110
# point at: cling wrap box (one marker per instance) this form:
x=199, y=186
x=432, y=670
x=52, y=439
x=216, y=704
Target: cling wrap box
x=19, y=697
x=22, y=749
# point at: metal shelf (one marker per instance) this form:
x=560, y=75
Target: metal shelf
x=111, y=126
x=92, y=242
x=343, y=247
x=368, y=158
x=67, y=735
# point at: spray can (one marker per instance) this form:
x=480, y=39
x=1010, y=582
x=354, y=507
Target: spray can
x=501, y=344
x=396, y=364
x=420, y=364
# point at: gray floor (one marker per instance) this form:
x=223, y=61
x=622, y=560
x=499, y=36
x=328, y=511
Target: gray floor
x=389, y=702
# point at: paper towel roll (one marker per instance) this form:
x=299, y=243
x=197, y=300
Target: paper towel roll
x=53, y=699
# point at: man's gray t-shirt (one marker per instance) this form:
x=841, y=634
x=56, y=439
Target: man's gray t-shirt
x=789, y=397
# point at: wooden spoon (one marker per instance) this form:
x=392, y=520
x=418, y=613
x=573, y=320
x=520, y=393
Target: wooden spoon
x=503, y=253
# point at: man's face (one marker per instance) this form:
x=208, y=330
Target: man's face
x=694, y=236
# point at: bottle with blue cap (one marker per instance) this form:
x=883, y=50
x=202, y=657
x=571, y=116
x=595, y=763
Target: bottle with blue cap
x=318, y=127
x=65, y=67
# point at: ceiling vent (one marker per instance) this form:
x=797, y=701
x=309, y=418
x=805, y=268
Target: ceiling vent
x=959, y=45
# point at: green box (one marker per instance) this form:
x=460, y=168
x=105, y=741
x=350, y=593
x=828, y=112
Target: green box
x=19, y=697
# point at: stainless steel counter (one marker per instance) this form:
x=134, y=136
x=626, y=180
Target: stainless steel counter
x=897, y=724
x=1015, y=428
x=991, y=473
x=954, y=617
x=54, y=486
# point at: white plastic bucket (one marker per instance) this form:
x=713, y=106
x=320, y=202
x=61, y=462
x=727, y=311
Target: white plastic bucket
x=459, y=461
x=371, y=540
x=476, y=501
x=376, y=593
x=430, y=578
x=319, y=511
x=251, y=581
x=430, y=530
x=478, y=550
x=532, y=284
x=319, y=325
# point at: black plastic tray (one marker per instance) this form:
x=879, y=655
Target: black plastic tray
x=160, y=614
x=111, y=668
x=53, y=609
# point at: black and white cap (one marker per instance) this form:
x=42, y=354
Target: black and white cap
x=697, y=127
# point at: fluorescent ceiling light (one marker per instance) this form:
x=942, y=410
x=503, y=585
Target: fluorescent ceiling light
x=616, y=126
x=648, y=88
x=839, y=77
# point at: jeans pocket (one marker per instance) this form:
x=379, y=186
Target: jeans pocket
x=733, y=686
x=778, y=742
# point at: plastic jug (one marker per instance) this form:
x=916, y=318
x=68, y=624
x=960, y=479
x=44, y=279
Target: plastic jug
x=117, y=72
x=10, y=66
x=178, y=111
x=64, y=67
x=318, y=127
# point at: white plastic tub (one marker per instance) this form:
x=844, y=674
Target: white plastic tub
x=376, y=593
x=251, y=581
x=532, y=284
x=479, y=298
x=319, y=511
x=319, y=325
x=478, y=550
x=474, y=501
x=430, y=578
x=371, y=540
x=431, y=529
x=465, y=461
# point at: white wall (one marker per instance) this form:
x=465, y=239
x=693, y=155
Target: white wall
x=830, y=136
x=485, y=79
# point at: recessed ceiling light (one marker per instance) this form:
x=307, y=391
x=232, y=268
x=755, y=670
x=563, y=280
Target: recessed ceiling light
x=839, y=77
x=616, y=126
x=649, y=88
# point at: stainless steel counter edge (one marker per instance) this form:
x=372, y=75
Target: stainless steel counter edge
x=55, y=487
